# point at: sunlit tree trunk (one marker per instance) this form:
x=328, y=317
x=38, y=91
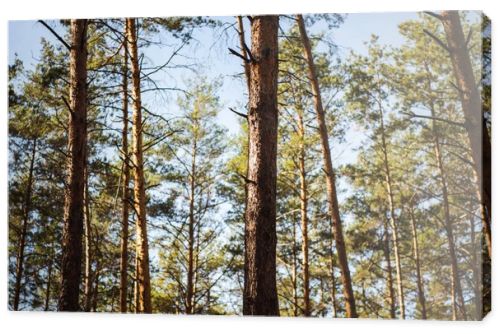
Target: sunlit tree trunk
x=260, y=293
x=332, y=278
x=330, y=174
x=303, y=215
x=475, y=123
x=24, y=228
x=294, y=270
x=390, y=281
x=416, y=256
x=87, y=291
x=125, y=185
x=191, y=233
x=77, y=141
x=142, y=248
x=392, y=216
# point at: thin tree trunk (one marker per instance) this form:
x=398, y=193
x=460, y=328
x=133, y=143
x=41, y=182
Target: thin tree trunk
x=47, y=288
x=260, y=293
x=246, y=66
x=416, y=255
x=125, y=186
x=455, y=279
x=24, y=229
x=191, y=236
x=390, y=282
x=87, y=237
x=71, y=268
x=476, y=273
x=303, y=216
x=142, y=248
x=392, y=217
x=332, y=276
x=330, y=175
x=475, y=123
x=294, y=271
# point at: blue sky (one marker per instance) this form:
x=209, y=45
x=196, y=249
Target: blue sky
x=24, y=40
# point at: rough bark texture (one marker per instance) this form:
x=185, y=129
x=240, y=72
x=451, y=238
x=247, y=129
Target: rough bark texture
x=77, y=141
x=330, y=175
x=260, y=294
x=24, y=228
x=142, y=248
x=125, y=186
x=472, y=107
x=416, y=256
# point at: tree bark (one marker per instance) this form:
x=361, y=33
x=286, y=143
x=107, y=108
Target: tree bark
x=303, y=215
x=416, y=255
x=24, y=229
x=475, y=123
x=49, y=285
x=77, y=141
x=142, y=248
x=191, y=234
x=390, y=281
x=125, y=186
x=260, y=294
x=330, y=174
x=455, y=279
x=88, y=244
x=392, y=217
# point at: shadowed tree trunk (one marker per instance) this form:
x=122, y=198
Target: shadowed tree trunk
x=260, y=293
x=24, y=229
x=77, y=141
x=294, y=270
x=125, y=185
x=142, y=248
x=48, y=287
x=416, y=255
x=475, y=123
x=330, y=175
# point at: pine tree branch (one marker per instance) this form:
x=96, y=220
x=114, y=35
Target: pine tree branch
x=239, y=114
x=55, y=34
x=437, y=40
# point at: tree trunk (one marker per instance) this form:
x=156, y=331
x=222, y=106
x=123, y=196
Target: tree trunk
x=294, y=271
x=142, y=248
x=303, y=215
x=416, y=255
x=260, y=294
x=125, y=186
x=191, y=236
x=332, y=276
x=330, y=175
x=390, y=282
x=241, y=35
x=392, y=217
x=77, y=141
x=475, y=123
x=88, y=244
x=24, y=229
x=455, y=279
x=47, y=288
